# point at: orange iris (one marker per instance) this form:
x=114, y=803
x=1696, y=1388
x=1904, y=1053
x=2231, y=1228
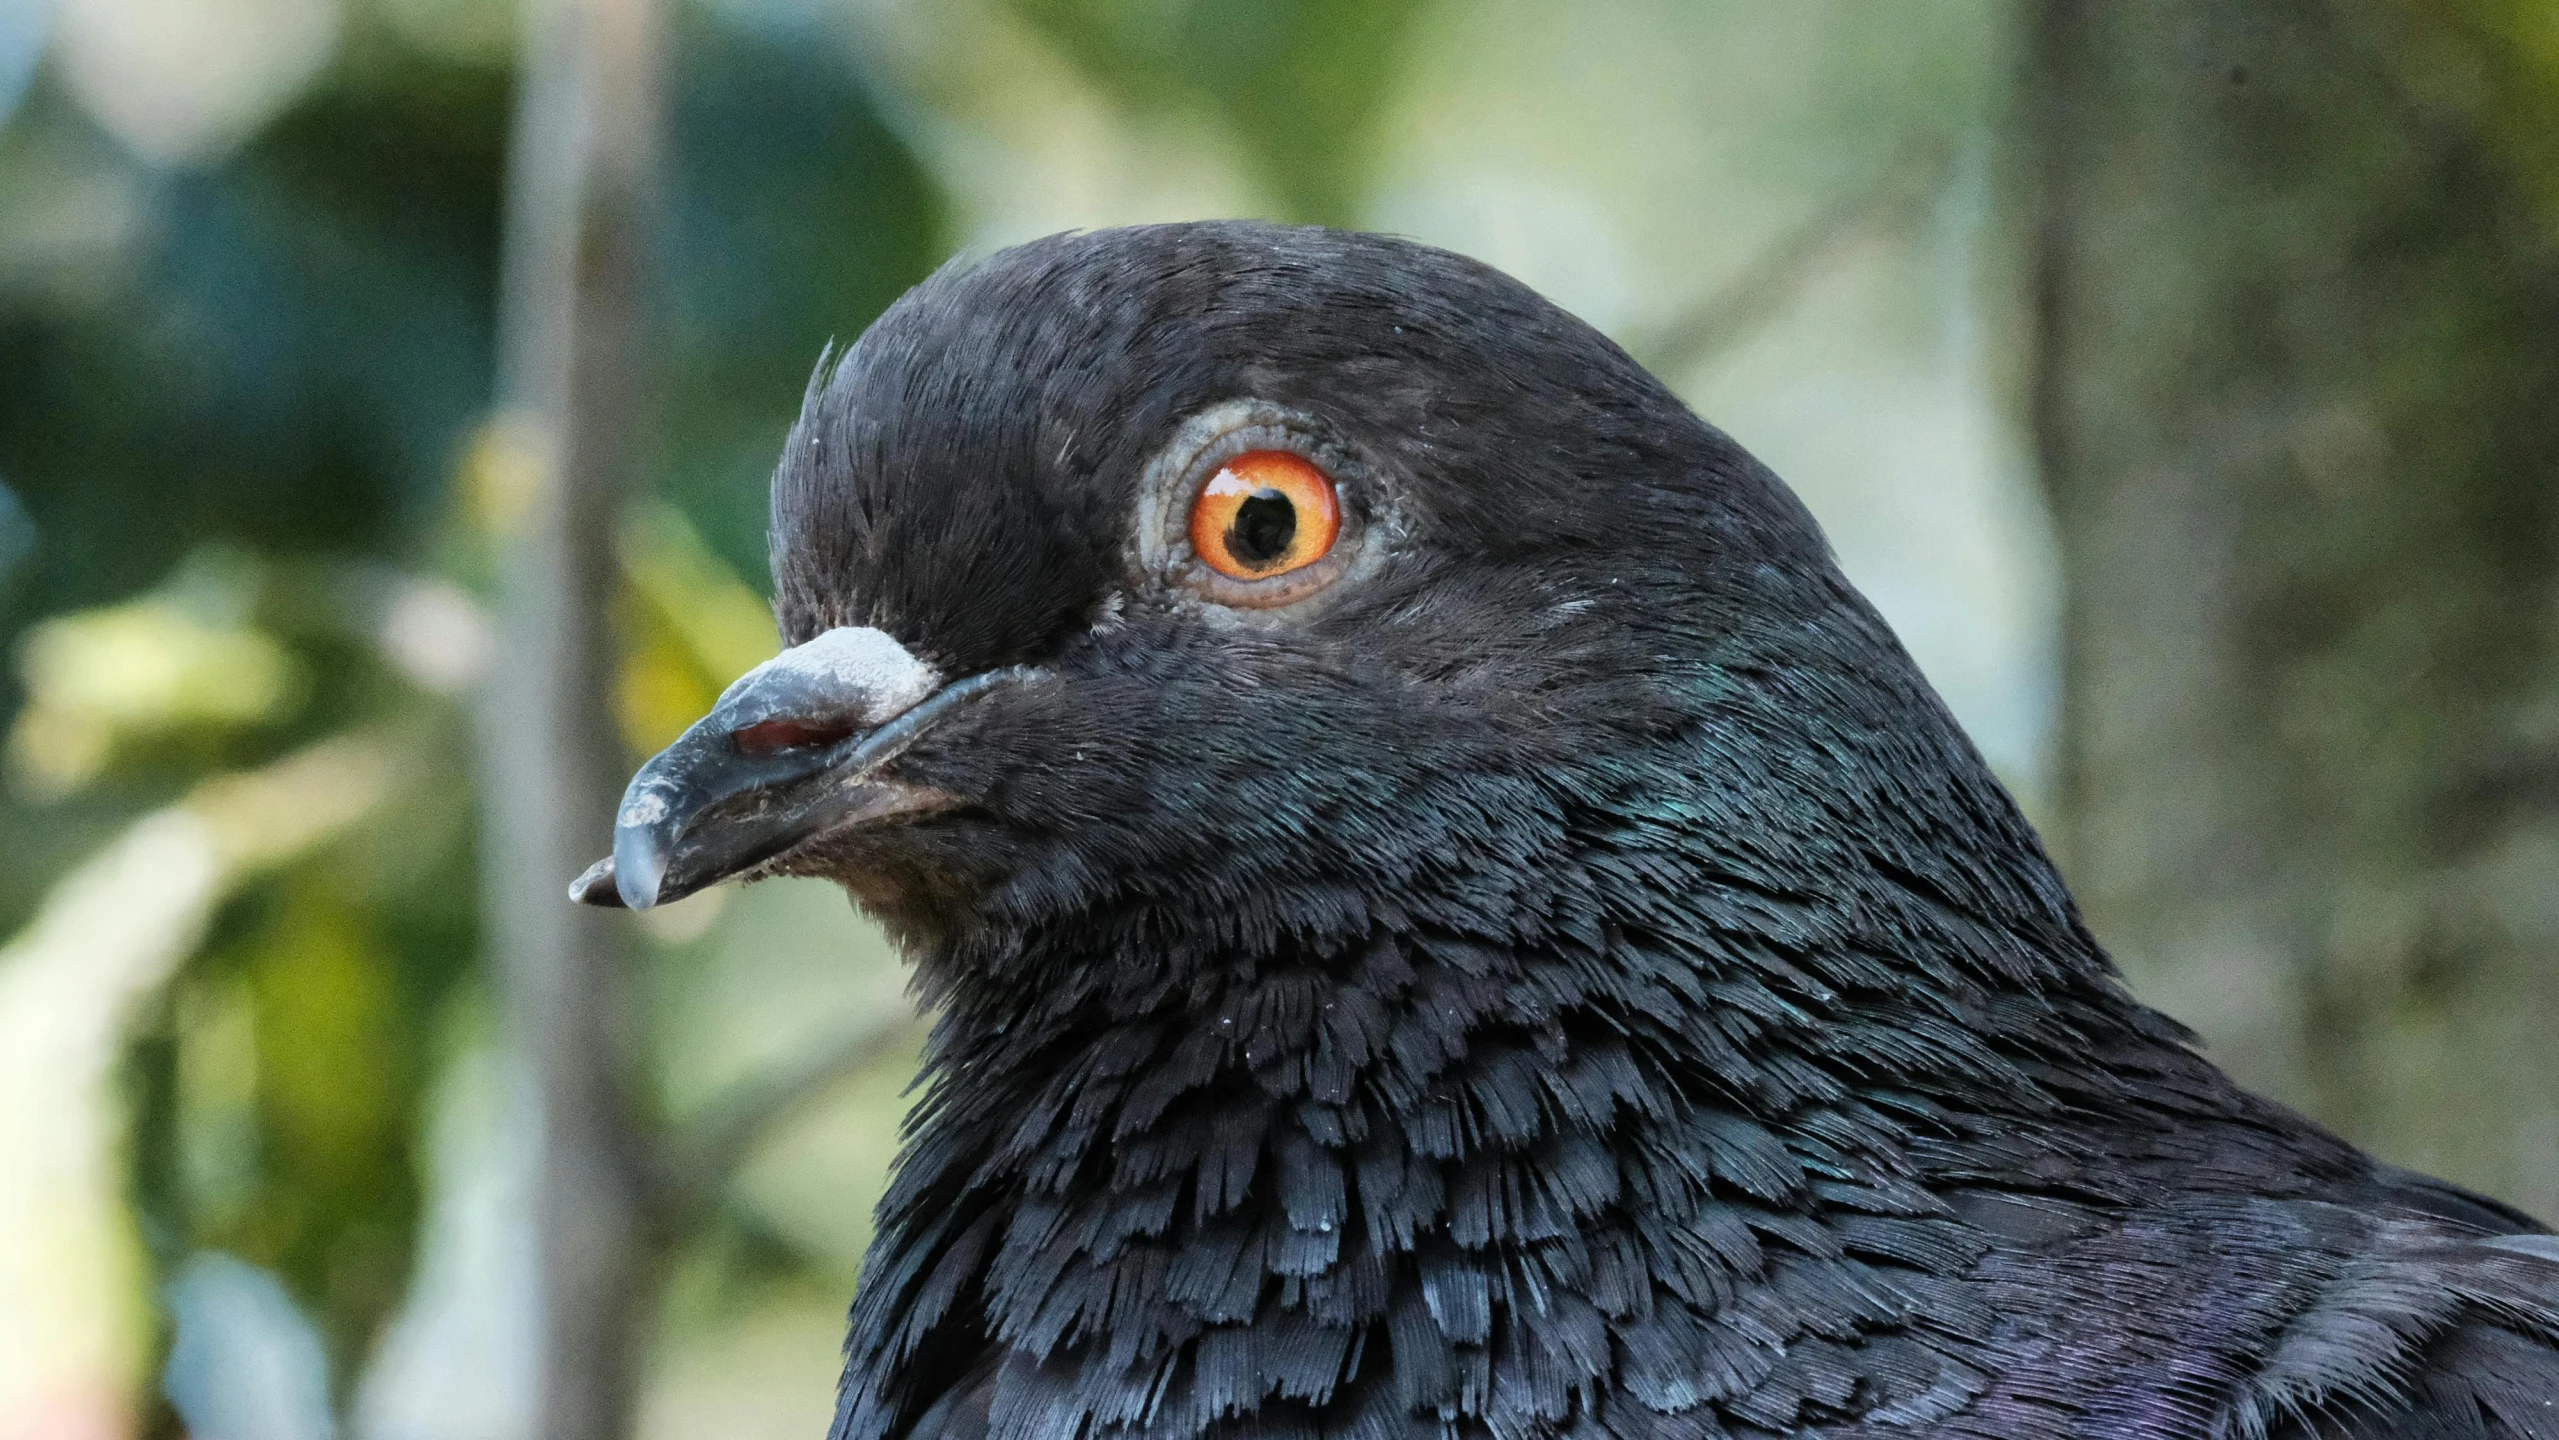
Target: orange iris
x=1265, y=513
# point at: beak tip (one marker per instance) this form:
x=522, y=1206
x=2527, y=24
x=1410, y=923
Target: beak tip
x=596, y=886
x=639, y=869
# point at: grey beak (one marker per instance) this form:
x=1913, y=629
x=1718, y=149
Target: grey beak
x=789, y=751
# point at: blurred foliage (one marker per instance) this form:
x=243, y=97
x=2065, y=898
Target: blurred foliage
x=314, y=988
x=2499, y=59
x=1299, y=84
x=234, y=402
x=795, y=214
x=690, y=627
x=175, y=667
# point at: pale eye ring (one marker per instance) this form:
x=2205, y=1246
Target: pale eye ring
x=1252, y=507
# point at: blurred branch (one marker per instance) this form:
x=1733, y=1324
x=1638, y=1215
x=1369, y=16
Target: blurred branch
x=700, y=1163
x=73, y=1330
x=575, y=391
x=1781, y=272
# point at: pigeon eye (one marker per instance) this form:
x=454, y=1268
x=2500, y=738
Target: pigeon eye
x=1265, y=513
x=1253, y=507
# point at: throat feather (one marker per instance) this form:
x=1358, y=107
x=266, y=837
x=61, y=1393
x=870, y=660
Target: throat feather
x=1421, y=1182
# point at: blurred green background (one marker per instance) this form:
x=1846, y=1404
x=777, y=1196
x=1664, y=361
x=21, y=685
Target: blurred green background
x=2177, y=378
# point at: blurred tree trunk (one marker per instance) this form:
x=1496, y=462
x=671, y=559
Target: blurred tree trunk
x=576, y=381
x=2298, y=410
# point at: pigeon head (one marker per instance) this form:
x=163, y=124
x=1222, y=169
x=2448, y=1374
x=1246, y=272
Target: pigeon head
x=1450, y=916
x=1248, y=588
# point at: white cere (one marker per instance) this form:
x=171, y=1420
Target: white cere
x=852, y=660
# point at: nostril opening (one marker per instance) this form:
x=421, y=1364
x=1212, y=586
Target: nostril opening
x=770, y=735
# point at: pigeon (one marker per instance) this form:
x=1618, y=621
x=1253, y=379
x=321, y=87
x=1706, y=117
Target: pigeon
x=1450, y=917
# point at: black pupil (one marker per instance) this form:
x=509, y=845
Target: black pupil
x=1263, y=527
